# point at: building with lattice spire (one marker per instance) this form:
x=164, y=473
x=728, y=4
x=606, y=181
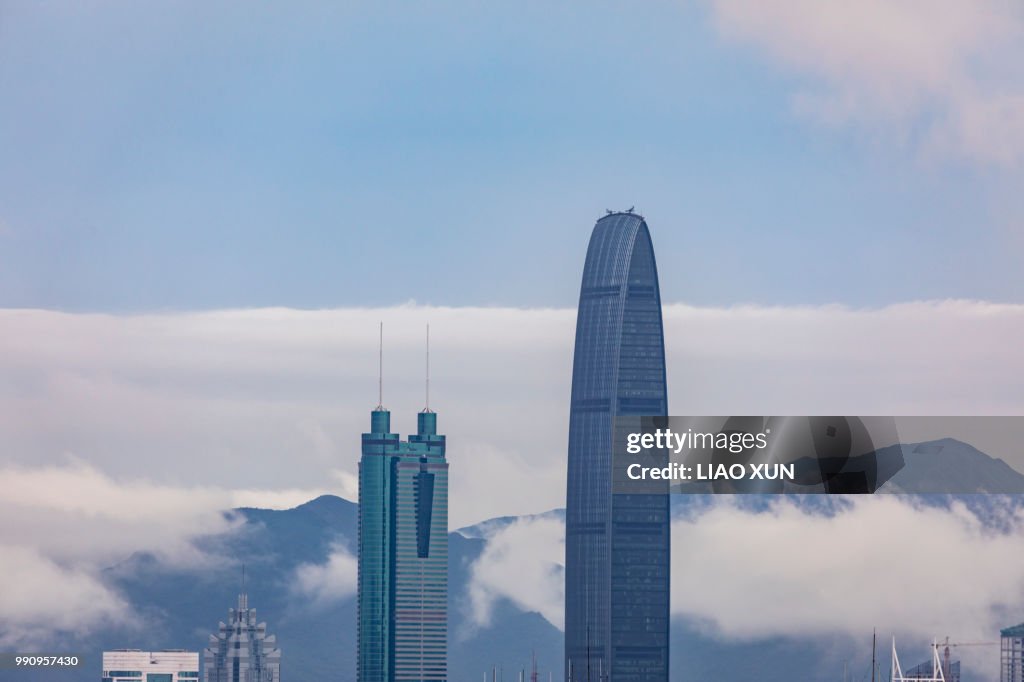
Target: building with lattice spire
x=242, y=651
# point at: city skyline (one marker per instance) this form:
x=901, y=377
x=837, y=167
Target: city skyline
x=207, y=209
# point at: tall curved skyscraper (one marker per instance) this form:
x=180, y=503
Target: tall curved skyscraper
x=616, y=546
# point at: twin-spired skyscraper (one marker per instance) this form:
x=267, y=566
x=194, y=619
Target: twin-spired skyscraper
x=403, y=553
x=616, y=546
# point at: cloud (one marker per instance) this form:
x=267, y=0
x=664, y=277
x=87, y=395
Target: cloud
x=944, y=73
x=41, y=597
x=745, y=574
x=275, y=399
x=883, y=561
x=920, y=358
x=330, y=581
x=793, y=571
x=61, y=525
x=521, y=562
x=75, y=512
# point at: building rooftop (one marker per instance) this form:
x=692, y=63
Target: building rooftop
x=1015, y=631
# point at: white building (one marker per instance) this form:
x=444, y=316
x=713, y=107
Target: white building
x=133, y=665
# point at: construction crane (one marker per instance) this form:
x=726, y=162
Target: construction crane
x=941, y=664
x=946, y=664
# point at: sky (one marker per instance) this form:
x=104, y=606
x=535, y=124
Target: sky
x=206, y=209
x=198, y=156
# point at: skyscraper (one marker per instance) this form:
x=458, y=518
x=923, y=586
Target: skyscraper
x=616, y=545
x=242, y=651
x=403, y=553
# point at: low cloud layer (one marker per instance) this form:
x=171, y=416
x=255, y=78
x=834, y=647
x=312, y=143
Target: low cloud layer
x=941, y=75
x=61, y=525
x=741, y=574
x=330, y=581
x=522, y=562
x=275, y=399
x=42, y=597
x=789, y=571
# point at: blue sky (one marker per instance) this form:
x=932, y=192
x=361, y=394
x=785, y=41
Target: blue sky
x=191, y=156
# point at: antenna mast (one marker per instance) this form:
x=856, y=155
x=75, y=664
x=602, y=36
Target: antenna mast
x=380, y=370
x=874, y=635
x=427, y=407
x=243, y=598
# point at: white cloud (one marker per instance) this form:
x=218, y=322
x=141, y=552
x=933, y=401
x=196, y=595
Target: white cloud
x=61, y=525
x=76, y=512
x=40, y=597
x=918, y=571
x=921, y=358
x=275, y=399
x=330, y=581
x=745, y=575
x=521, y=562
x=791, y=571
x=946, y=71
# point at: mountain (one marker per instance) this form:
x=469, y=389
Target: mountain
x=952, y=466
x=179, y=606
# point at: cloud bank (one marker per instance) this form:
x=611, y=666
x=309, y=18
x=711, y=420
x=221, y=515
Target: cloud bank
x=61, y=525
x=741, y=574
x=330, y=581
x=275, y=399
x=521, y=562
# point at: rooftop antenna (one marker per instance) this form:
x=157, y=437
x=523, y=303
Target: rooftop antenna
x=427, y=408
x=380, y=370
x=243, y=599
x=874, y=639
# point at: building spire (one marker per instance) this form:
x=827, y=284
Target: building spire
x=380, y=370
x=243, y=598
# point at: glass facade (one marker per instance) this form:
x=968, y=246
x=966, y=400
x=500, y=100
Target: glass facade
x=242, y=651
x=617, y=546
x=403, y=553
